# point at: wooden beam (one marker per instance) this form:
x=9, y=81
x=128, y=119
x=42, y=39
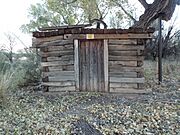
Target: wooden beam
x=56, y=63
x=109, y=36
x=126, y=80
x=126, y=58
x=58, y=73
x=129, y=91
x=106, y=65
x=125, y=47
x=61, y=84
x=76, y=63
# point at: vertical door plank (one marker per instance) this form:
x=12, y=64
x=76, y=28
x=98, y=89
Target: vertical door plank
x=99, y=65
x=87, y=65
x=95, y=66
x=102, y=66
x=91, y=67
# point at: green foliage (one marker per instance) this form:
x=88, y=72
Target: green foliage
x=27, y=66
x=23, y=71
x=70, y=12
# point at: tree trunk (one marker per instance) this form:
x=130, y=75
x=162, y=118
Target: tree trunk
x=163, y=8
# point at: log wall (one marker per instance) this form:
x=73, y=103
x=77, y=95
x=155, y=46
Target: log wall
x=57, y=62
x=125, y=65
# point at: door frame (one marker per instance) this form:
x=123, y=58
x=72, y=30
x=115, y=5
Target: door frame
x=76, y=65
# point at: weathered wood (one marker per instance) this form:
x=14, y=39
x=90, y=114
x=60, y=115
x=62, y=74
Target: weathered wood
x=119, y=68
x=76, y=63
x=56, y=53
x=62, y=89
x=54, y=43
x=91, y=61
x=106, y=80
x=60, y=48
x=129, y=91
x=126, y=80
x=61, y=58
x=56, y=63
x=39, y=41
x=122, y=42
x=58, y=73
x=123, y=63
x=92, y=65
x=126, y=58
x=61, y=68
x=87, y=59
x=61, y=84
x=61, y=78
x=125, y=47
x=123, y=74
x=122, y=85
x=110, y=36
x=125, y=53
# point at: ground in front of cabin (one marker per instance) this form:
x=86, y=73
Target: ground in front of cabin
x=29, y=112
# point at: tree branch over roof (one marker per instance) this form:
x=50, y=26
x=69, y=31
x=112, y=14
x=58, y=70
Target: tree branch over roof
x=144, y=3
x=159, y=8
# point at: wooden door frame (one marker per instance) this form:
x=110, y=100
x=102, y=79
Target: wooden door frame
x=76, y=65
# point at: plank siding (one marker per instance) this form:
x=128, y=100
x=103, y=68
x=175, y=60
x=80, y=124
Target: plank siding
x=92, y=65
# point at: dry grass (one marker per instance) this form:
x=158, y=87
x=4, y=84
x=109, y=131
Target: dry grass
x=5, y=84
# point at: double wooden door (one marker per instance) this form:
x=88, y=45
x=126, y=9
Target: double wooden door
x=91, y=65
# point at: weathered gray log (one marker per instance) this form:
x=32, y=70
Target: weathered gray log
x=126, y=80
x=122, y=42
x=125, y=47
x=129, y=91
x=126, y=58
x=123, y=63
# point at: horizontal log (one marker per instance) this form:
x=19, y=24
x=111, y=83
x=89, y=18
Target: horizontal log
x=126, y=58
x=122, y=85
x=125, y=53
x=61, y=58
x=56, y=63
x=125, y=47
x=62, y=84
x=123, y=63
x=119, y=68
x=110, y=36
x=60, y=48
x=122, y=42
x=58, y=73
x=129, y=91
x=61, y=78
x=62, y=68
x=62, y=89
x=55, y=43
x=126, y=80
x=37, y=42
x=123, y=74
x=56, y=53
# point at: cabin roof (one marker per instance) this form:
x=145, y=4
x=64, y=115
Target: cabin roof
x=81, y=29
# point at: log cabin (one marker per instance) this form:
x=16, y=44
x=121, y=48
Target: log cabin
x=81, y=59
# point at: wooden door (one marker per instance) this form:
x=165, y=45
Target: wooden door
x=91, y=65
